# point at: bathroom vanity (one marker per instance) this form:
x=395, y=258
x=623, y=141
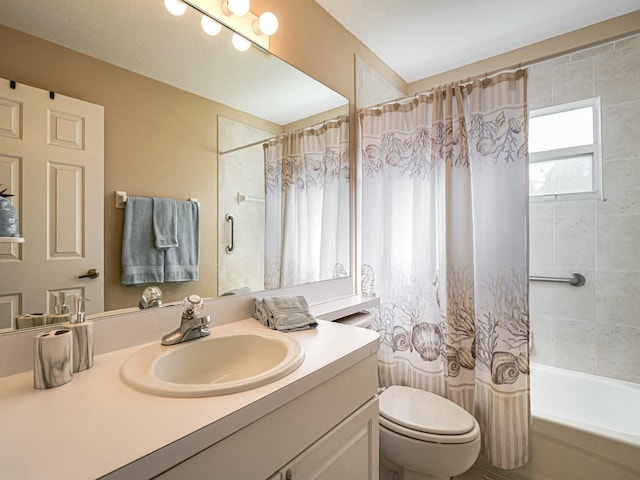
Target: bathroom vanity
x=320, y=421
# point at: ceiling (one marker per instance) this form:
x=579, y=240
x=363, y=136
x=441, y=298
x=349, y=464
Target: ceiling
x=141, y=36
x=421, y=38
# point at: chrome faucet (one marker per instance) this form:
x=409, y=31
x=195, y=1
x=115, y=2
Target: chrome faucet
x=151, y=298
x=191, y=326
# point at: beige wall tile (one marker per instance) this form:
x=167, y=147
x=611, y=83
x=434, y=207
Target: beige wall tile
x=618, y=352
x=621, y=131
x=572, y=81
x=617, y=76
x=621, y=181
x=541, y=247
x=539, y=90
x=575, y=242
x=618, y=298
x=542, y=330
x=576, y=303
x=617, y=244
x=575, y=345
x=541, y=294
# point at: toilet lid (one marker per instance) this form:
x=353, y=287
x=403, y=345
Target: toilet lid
x=424, y=411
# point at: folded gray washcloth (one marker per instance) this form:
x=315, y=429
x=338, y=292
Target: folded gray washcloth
x=286, y=314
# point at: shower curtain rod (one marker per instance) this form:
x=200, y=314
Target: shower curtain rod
x=249, y=145
x=471, y=79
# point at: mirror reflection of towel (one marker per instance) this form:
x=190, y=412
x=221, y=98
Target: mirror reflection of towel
x=182, y=263
x=165, y=223
x=141, y=262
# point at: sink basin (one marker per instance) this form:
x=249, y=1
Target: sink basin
x=227, y=361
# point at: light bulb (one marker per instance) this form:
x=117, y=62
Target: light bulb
x=175, y=7
x=210, y=26
x=238, y=7
x=240, y=43
x=268, y=23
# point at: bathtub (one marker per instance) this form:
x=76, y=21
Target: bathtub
x=584, y=427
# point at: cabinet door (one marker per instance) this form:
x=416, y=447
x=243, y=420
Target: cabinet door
x=349, y=451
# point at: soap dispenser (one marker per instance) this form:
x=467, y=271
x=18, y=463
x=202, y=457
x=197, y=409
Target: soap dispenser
x=82, y=331
x=61, y=310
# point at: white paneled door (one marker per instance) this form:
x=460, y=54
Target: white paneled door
x=52, y=161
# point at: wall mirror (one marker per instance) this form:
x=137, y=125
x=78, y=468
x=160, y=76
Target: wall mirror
x=185, y=116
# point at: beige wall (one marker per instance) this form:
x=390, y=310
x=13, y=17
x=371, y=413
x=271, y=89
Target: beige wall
x=159, y=141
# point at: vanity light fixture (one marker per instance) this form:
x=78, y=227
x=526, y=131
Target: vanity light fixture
x=267, y=23
x=240, y=43
x=175, y=7
x=234, y=14
x=236, y=7
x=210, y=26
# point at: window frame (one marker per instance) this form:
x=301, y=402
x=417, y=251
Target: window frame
x=594, y=149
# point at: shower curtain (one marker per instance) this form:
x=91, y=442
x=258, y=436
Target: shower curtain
x=445, y=246
x=307, y=205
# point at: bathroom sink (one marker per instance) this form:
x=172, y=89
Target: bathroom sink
x=227, y=361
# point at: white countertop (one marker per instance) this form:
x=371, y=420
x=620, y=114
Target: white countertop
x=96, y=425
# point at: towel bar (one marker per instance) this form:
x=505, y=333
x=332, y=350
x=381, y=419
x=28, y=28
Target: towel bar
x=121, y=199
x=575, y=280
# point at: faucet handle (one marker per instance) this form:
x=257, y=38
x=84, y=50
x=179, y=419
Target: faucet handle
x=192, y=306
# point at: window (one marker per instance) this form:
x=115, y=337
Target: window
x=564, y=152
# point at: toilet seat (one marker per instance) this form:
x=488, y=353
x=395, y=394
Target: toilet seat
x=425, y=416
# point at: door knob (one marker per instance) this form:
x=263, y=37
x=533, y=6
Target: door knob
x=91, y=273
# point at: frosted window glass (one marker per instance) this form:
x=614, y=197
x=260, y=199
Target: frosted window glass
x=561, y=130
x=563, y=175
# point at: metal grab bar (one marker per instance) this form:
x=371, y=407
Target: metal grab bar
x=575, y=280
x=229, y=248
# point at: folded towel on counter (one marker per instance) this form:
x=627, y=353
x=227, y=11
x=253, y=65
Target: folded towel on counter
x=165, y=223
x=286, y=314
x=141, y=262
x=182, y=263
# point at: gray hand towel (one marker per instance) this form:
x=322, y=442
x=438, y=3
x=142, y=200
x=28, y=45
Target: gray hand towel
x=165, y=223
x=286, y=314
x=141, y=262
x=182, y=263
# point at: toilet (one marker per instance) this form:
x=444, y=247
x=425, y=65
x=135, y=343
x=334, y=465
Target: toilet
x=425, y=436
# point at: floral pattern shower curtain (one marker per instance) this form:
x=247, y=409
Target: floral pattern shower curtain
x=307, y=205
x=445, y=247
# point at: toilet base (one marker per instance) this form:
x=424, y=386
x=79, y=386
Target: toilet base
x=406, y=457
x=389, y=471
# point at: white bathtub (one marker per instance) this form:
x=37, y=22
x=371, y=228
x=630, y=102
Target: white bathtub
x=584, y=427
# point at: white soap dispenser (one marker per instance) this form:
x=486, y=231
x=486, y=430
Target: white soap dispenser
x=82, y=331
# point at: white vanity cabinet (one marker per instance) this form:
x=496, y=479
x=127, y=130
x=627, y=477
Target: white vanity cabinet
x=329, y=432
x=349, y=451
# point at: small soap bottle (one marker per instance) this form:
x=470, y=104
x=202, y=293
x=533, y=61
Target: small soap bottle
x=82, y=331
x=61, y=310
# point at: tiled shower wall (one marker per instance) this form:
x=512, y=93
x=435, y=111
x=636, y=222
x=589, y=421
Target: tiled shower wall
x=241, y=171
x=594, y=328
